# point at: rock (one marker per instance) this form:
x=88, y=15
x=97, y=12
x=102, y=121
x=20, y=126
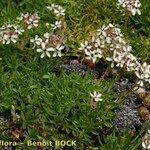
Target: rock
x=132, y=101
x=75, y=67
x=126, y=119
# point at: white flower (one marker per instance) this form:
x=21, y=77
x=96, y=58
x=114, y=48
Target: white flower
x=10, y=38
x=111, y=25
x=93, y=55
x=118, y=32
x=57, y=50
x=30, y=20
x=20, y=17
x=131, y=62
x=36, y=41
x=23, y=16
x=108, y=40
x=140, y=83
x=120, y=2
x=146, y=141
x=98, y=53
x=102, y=31
x=56, y=25
x=50, y=7
x=131, y=5
x=130, y=65
x=10, y=33
x=57, y=10
x=18, y=30
x=85, y=46
x=44, y=50
x=5, y=39
x=96, y=41
x=127, y=48
x=96, y=96
x=13, y=38
x=32, y=23
x=120, y=64
x=135, y=10
x=119, y=58
x=47, y=35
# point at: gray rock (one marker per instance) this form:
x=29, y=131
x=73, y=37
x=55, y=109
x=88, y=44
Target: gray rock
x=126, y=119
x=81, y=69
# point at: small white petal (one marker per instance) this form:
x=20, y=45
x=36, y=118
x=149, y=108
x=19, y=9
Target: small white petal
x=29, y=27
x=46, y=35
x=38, y=42
x=42, y=55
x=43, y=45
x=50, y=49
x=143, y=145
x=39, y=50
x=8, y=42
x=61, y=48
x=13, y=40
x=48, y=54
x=109, y=59
x=112, y=65
x=87, y=52
x=55, y=54
x=32, y=40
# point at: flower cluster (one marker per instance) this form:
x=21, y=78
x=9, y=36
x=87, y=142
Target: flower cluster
x=56, y=25
x=92, y=49
x=143, y=73
x=10, y=33
x=119, y=52
x=130, y=5
x=49, y=44
x=30, y=20
x=57, y=10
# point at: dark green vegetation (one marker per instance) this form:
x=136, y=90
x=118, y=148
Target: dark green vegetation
x=58, y=107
